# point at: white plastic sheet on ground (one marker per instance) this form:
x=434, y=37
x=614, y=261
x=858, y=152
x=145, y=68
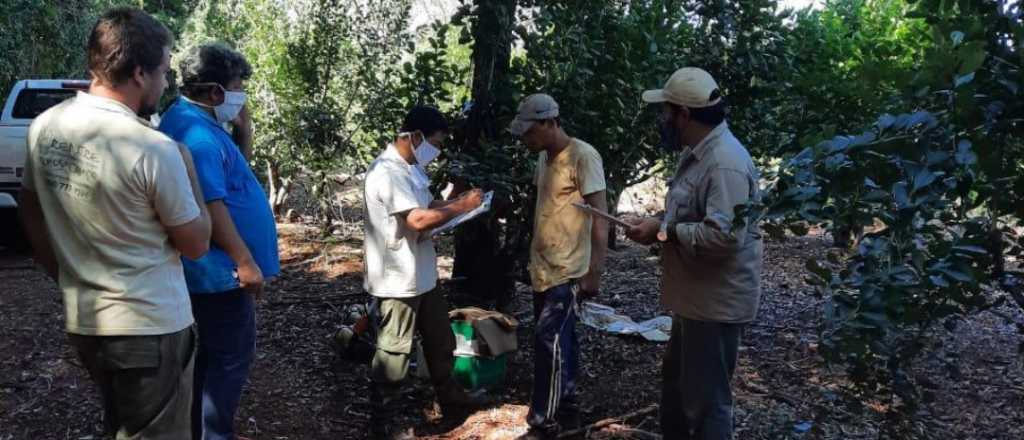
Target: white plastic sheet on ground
x=606, y=318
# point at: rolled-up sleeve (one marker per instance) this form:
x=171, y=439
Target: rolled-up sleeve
x=714, y=235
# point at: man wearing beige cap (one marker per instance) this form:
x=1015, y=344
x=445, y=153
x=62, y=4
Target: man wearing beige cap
x=711, y=270
x=566, y=257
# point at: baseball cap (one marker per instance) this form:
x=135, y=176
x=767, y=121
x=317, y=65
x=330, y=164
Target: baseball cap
x=536, y=107
x=690, y=87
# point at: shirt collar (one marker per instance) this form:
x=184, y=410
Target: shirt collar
x=110, y=105
x=391, y=152
x=710, y=141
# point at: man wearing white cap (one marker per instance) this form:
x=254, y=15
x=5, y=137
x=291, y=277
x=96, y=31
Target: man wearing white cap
x=711, y=270
x=566, y=257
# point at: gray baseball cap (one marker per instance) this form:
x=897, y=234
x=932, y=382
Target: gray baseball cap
x=536, y=107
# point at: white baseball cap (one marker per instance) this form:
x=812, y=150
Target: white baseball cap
x=536, y=107
x=690, y=87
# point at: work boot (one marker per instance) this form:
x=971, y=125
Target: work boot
x=450, y=395
x=383, y=400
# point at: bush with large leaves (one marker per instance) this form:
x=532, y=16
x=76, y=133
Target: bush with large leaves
x=933, y=189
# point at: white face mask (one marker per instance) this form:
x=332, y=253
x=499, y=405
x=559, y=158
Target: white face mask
x=230, y=108
x=426, y=152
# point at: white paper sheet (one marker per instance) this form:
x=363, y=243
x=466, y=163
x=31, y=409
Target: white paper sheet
x=453, y=223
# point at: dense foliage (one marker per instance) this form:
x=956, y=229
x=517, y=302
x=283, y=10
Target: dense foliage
x=924, y=192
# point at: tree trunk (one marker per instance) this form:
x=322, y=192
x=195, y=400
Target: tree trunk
x=486, y=273
x=273, y=188
x=613, y=208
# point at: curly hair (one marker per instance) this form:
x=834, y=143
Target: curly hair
x=213, y=63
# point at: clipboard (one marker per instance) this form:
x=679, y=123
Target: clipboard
x=607, y=217
x=485, y=206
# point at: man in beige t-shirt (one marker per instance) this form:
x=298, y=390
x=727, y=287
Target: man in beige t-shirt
x=110, y=205
x=566, y=257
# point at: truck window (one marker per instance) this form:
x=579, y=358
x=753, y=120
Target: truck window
x=33, y=102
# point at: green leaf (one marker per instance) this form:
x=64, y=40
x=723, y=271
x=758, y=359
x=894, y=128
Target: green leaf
x=886, y=121
x=798, y=229
x=801, y=193
x=962, y=80
x=875, y=195
x=817, y=269
x=957, y=275
x=900, y=195
x=971, y=250
x=957, y=37
x=835, y=162
x=923, y=178
x=964, y=155
x=875, y=319
x=1010, y=85
x=972, y=56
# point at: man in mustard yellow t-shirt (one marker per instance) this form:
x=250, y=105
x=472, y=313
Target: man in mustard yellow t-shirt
x=566, y=257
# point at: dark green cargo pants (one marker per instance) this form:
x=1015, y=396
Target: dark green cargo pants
x=145, y=382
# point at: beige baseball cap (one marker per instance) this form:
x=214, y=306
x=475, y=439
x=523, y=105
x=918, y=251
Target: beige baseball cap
x=690, y=87
x=536, y=107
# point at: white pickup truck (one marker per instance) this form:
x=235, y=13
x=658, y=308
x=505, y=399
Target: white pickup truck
x=28, y=99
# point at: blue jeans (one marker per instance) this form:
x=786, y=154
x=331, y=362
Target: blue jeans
x=555, y=356
x=227, y=344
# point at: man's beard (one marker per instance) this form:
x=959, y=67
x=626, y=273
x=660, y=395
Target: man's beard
x=149, y=106
x=147, y=111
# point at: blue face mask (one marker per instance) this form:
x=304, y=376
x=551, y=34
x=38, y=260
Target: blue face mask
x=669, y=136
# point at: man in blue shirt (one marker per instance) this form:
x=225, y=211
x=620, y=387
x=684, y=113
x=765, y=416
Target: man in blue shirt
x=224, y=283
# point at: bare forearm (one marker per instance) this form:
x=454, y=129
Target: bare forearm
x=427, y=219
x=598, y=232
x=599, y=246
x=438, y=204
x=39, y=237
x=225, y=234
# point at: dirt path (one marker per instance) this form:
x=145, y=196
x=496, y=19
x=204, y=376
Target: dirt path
x=300, y=390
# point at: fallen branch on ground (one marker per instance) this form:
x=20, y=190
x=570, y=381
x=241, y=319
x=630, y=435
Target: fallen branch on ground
x=620, y=430
x=609, y=421
x=330, y=260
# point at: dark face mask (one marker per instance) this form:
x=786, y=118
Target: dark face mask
x=669, y=135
